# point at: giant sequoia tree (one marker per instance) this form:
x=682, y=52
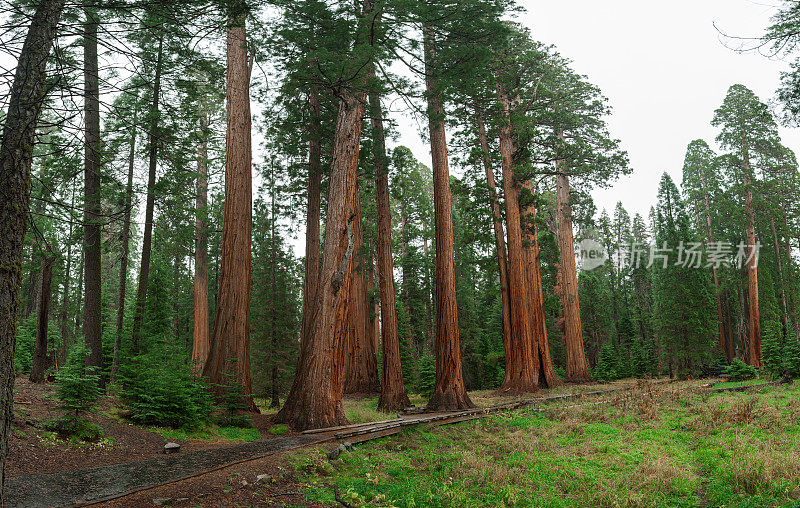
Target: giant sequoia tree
x=748, y=130
x=229, y=344
x=315, y=399
x=582, y=149
x=449, y=392
x=393, y=391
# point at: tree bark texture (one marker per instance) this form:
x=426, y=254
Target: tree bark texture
x=313, y=211
x=393, y=391
x=754, y=322
x=315, y=399
x=16, y=152
x=577, y=370
x=362, y=366
x=449, y=391
x=533, y=277
x=92, y=253
x=41, y=362
x=200, y=328
x=522, y=372
x=228, y=363
x=500, y=243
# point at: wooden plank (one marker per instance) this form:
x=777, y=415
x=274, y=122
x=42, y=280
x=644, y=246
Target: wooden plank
x=341, y=427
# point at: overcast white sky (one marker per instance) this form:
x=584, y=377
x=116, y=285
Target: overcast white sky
x=663, y=67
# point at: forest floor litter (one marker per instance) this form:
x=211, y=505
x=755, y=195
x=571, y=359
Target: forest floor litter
x=219, y=471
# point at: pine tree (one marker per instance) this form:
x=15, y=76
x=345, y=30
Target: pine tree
x=16, y=149
x=682, y=296
x=700, y=178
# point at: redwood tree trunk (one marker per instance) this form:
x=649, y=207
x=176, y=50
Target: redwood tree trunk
x=312, y=260
x=91, y=215
x=315, y=399
x=754, y=323
x=362, y=366
x=41, y=362
x=16, y=152
x=500, y=242
x=144, y=267
x=123, y=266
x=577, y=371
x=229, y=345
x=533, y=277
x=200, y=328
x=449, y=391
x=522, y=372
x=393, y=391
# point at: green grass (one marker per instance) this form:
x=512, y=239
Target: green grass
x=736, y=384
x=666, y=448
x=278, y=430
x=209, y=432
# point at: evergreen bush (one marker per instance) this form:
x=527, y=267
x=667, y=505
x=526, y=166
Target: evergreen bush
x=740, y=371
x=232, y=405
x=427, y=375
x=26, y=342
x=161, y=388
x=77, y=388
x=791, y=357
x=608, y=365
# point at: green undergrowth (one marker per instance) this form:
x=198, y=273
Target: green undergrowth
x=209, y=432
x=736, y=384
x=654, y=446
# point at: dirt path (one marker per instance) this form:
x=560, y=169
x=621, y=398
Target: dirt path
x=88, y=486
x=93, y=484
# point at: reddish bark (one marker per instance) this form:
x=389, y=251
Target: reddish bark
x=361, y=366
x=313, y=212
x=315, y=399
x=497, y=226
x=200, y=328
x=449, y=391
x=754, y=323
x=393, y=391
x=577, y=370
x=533, y=275
x=522, y=371
x=229, y=344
